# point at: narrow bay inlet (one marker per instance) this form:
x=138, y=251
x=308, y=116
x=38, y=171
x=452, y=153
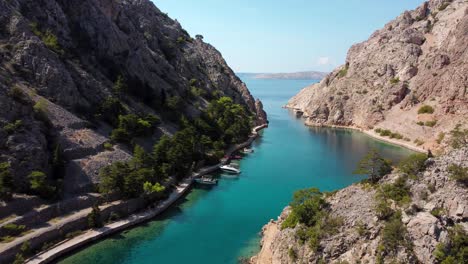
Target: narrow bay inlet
x=227, y=218
x=233, y=132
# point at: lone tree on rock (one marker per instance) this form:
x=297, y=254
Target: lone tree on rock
x=94, y=218
x=374, y=166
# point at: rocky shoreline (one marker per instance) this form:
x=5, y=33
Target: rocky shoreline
x=368, y=132
x=437, y=204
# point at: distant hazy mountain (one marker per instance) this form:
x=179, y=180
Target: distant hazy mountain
x=309, y=75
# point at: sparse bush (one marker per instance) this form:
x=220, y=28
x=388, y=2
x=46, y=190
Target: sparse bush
x=438, y=212
x=292, y=254
x=19, y=259
x=17, y=94
x=455, y=250
x=420, y=123
x=175, y=103
x=13, y=229
x=431, y=187
x=6, y=181
x=131, y=126
x=394, y=235
x=361, y=229
x=12, y=127
x=418, y=142
x=396, y=135
x=413, y=164
x=459, y=173
x=395, y=80
x=41, y=110
x=398, y=191
x=443, y=6
x=180, y=40
x=51, y=41
x=120, y=135
x=343, y=72
x=120, y=86
x=197, y=92
x=39, y=185
x=94, y=218
x=426, y=109
x=430, y=123
x=110, y=110
x=383, y=210
x=440, y=137
x=459, y=137
x=108, y=146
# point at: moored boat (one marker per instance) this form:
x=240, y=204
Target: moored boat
x=230, y=169
x=207, y=180
x=247, y=151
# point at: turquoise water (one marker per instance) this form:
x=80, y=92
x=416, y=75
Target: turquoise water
x=222, y=224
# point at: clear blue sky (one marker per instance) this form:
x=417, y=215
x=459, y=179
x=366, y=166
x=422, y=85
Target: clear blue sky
x=284, y=35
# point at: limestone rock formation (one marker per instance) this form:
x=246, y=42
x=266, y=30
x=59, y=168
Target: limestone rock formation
x=420, y=58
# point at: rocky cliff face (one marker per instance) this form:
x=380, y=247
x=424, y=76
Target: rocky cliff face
x=67, y=56
x=420, y=58
x=437, y=204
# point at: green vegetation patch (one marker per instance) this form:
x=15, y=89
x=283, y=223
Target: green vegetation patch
x=393, y=236
x=459, y=173
x=413, y=164
x=6, y=181
x=308, y=210
x=131, y=126
x=48, y=38
x=13, y=127
x=388, y=133
x=459, y=137
x=426, y=109
x=395, y=80
x=40, y=186
x=398, y=191
x=455, y=250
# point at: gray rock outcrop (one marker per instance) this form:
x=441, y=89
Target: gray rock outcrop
x=420, y=58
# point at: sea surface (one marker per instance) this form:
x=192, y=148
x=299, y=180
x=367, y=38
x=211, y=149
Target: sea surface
x=222, y=224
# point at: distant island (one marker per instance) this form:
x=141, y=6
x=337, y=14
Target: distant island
x=307, y=75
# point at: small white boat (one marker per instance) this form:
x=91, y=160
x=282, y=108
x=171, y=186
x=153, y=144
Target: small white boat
x=230, y=169
x=247, y=150
x=207, y=180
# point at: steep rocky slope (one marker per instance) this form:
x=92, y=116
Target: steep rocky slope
x=65, y=57
x=437, y=203
x=420, y=58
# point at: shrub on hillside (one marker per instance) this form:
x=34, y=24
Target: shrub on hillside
x=12, y=127
x=455, y=249
x=426, y=109
x=398, y=191
x=459, y=173
x=413, y=164
x=394, y=235
x=6, y=181
x=39, y=185
x=459, y=137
